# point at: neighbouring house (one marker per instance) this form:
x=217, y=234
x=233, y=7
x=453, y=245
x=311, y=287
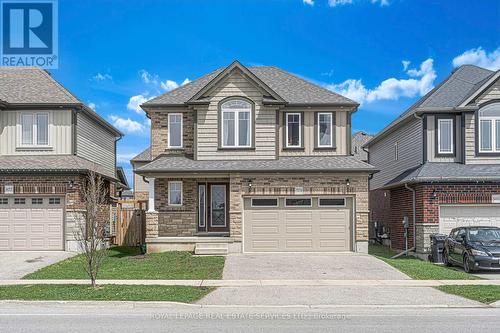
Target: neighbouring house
x=440, y=161
x=359, y=139
x=141, y=189
x=256, y=160
x=49, y=140
x=122, y=187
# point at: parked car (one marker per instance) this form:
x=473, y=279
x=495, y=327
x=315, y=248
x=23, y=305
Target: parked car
x=473, y=248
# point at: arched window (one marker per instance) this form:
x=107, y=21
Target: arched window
x=236, y=122
x=489, y=128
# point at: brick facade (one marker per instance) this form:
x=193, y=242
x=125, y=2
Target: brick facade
x=427, y=208
x=159, y=133
x=182, y=221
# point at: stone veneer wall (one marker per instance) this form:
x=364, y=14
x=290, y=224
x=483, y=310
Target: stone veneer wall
x=159, y=132
x=182, y=221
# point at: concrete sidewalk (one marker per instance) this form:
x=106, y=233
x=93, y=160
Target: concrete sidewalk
x=266, y=283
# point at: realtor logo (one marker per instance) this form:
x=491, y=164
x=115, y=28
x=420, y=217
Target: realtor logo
x=29, y=33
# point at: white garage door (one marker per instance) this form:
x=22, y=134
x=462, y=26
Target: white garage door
x=31, y=223
x=297, y=225
x=464, y=215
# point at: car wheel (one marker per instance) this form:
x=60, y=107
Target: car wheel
x=467, y=267
x=446, y=261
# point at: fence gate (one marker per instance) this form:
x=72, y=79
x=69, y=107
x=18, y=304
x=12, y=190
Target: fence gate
x=130, y=223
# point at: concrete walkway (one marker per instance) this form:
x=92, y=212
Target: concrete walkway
x=16, y=264
x=267, y=283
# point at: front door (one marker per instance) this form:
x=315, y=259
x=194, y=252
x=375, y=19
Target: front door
x=217, y=212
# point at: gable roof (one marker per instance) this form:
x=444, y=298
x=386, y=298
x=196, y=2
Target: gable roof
x=144, y=156
x=447, y=95
x=358, y=140
x=33, y=86
x=292, y=89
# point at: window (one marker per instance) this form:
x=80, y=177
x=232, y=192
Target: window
x=264, y=202
x=489, y=129
x=175, y=193
x=445, y=136
x=396, y=151
x=34, y=129
x=298, y=202
x=293, y=130
x=331, y=202
x=37, y=201
x=19, y=201
x=201, y=205
x=236, y=123
x=4, y=201
x=325, y=129
x=54, y=201
x=175, y=130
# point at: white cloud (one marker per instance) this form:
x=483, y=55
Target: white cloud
x=420, y=82
x=127, y=125
x=149, y=78
x=382, y=2
x=186, y=81
x=335, y=3
x=169, y=85
x=92, y=105
x=405, y=63
x=479, y=57
x=102, y=77
x=308, y=2
x=135, y=102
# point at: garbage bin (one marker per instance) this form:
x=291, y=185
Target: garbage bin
x=437, y=247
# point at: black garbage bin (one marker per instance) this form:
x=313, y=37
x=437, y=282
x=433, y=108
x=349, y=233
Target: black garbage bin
x=437, y=247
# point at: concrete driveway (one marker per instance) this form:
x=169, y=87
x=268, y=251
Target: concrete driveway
x=345, y=266
x=16, y=264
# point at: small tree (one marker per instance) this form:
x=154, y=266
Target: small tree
x=90, y=232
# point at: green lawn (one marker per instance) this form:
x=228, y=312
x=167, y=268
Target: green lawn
x=73, y=292
x=126, y=263
x=418, y=269
x=483, y=294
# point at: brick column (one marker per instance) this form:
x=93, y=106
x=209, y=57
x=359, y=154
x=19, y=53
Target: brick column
x=235, y=208
x=151, y=225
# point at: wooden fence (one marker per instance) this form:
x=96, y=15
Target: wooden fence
x=130, y=227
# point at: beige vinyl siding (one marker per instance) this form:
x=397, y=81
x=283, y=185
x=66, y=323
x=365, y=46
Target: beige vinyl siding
x=431, y=141
x=409, y=139
x=470, y=144
x=208, y=123
x=60, y=142
x=139, y=184
x=490, y=94
x=95, y=143
x=309, y=133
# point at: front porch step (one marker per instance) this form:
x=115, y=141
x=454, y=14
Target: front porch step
x=211, y=248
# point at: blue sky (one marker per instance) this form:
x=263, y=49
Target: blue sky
x=383, y=53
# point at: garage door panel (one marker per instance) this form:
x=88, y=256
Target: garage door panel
x=467, y=215
x=4, y=215
x=265, y=245
x=20, y=215
x=265, y=230
x=298, y=229
x=303, y=244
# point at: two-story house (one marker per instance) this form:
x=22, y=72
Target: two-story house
x=440, y=161
x=49, y=140
x=257, y=160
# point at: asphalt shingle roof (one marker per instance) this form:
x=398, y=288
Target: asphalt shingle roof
x=293, y=89
x=32, y=85
x=358, y=140
x=145, y=155
x=50, y=163
x=176, y=163
x=448, y=172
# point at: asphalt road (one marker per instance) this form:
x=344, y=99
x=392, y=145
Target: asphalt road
x=59, y=317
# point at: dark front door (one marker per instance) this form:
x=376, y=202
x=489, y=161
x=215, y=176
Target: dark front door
x=218, y=208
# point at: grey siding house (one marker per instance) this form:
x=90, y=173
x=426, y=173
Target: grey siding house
x=440, y=161
x=253, y=159
x=49, y=140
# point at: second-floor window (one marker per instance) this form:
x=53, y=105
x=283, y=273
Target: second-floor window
x=325, y=129
x=34, y=129
x=489, y=129
x=293, y=131
x=236, y=124
x=175, y=130
x=445, y=136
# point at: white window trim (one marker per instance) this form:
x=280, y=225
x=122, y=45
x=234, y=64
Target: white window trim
x=320, y=205
x=494, y=132
x=182, y=131
x=301, y=206
x=237, y=127
x=331, y=129
x=204, y=186
x=274, y=198
x=168, y=193
x=300, y=129
x=34, y=131
x=445, y=120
